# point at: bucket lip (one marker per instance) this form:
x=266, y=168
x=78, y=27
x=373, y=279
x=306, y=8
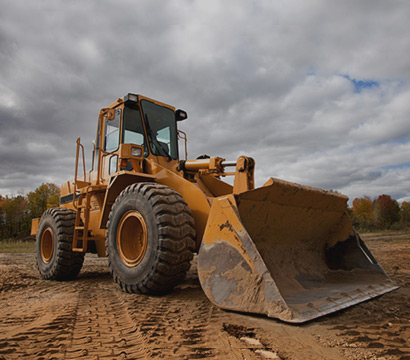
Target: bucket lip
x=314, y=314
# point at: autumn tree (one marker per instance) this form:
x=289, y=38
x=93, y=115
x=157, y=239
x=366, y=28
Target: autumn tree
x=386, y=211
x=405, y=214
x=14, y=217
x=45, y=196
x=2, y=218
x=16, y=212
x=362, y=212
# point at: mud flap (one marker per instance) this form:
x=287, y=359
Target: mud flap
x=287, y=251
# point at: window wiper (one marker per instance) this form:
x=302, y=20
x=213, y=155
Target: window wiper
x=154, y=139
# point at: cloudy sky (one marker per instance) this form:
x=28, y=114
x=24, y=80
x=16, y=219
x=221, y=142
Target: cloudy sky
x=317, y=92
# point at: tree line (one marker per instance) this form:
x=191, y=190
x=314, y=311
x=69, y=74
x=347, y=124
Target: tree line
x=380, y=213
x=16, y=212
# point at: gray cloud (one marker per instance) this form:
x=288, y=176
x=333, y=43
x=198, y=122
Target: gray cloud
x=277, y=81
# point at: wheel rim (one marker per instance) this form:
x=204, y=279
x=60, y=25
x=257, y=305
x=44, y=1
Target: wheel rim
x=47, y=245
x=132, y=238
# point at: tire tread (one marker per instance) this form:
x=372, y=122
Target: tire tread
x=67, y=263
x=176, y=238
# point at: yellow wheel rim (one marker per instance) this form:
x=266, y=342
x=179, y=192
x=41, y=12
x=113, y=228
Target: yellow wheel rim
x=132, y=238
x=47, y=245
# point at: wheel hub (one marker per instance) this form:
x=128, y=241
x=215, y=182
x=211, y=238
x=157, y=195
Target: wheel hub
x=132, y=238
x=47, y=245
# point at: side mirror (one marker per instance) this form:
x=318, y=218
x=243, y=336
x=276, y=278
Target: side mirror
x=180, y=115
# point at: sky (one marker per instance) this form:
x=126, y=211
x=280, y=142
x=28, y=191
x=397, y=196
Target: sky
x=317, y=92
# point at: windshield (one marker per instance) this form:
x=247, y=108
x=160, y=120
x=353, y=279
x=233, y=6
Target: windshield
x=161, y=129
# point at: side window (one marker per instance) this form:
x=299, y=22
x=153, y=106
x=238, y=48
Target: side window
x=113, y=164
x=164, y=138
x=112, y=132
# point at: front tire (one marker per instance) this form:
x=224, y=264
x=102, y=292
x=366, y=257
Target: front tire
x=150, y=238
x=55, y=258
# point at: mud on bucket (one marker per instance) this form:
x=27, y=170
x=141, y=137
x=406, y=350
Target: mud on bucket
x=287, y=251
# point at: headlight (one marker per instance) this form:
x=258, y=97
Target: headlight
x=132, y=97
x=131, y=100
x=136, y=152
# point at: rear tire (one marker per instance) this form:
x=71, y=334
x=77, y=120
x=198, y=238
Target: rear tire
x=55, y=258
x=150, y=238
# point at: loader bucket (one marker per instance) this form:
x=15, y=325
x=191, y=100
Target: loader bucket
x=287, y=251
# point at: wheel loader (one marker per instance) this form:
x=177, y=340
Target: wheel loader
x=284, y=250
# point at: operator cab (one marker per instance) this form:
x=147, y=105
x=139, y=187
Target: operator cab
x=139, y=121
x=159, y=120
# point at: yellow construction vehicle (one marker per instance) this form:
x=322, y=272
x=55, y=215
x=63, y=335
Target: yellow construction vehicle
x=284, y=250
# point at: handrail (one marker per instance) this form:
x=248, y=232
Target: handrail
x=101, y=116
x=182, y=135
x=79, y=145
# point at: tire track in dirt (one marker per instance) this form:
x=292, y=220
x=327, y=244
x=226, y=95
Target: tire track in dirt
x=186, y=325
x=41, y=328
x=103, y=328
x=80, y=319
x=380, y=332
x=91, y=318
x=175, y=327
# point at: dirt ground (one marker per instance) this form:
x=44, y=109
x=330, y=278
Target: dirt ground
x=91, y=318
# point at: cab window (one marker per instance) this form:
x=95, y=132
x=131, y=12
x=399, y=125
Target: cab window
x=133, y=131
x=161, y=129
x=112, y=132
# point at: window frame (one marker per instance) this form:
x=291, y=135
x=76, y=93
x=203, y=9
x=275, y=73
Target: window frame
x=118, y=117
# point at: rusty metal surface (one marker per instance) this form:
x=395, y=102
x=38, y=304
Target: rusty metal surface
x=287, y=251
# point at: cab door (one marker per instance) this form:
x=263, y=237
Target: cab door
x=111, y=142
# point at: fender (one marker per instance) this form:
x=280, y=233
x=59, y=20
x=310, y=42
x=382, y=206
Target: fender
x=118, y=182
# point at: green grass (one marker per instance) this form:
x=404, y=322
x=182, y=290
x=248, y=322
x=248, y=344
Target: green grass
x=17, y=246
